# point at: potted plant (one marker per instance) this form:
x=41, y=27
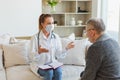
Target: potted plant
x=52, y=4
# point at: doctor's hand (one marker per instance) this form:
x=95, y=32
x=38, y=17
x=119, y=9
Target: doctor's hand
x=42, y=50
x=70, y=45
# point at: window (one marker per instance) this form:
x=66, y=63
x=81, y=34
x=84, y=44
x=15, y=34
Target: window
x=111, y=17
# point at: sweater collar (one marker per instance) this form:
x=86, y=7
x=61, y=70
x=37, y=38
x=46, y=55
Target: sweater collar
x=103, y=37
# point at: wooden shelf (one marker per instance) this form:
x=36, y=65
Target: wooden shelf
x=65, y=11
x=72, y=13
x=76, y=0
x=72, y=26
x=80, y=13
x=84, y=0
x=68, y=0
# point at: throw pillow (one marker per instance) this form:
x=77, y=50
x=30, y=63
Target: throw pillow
x=65, y=41
x=76, y=55
x=16, y=54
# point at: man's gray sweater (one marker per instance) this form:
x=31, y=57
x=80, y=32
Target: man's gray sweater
x=103, y=60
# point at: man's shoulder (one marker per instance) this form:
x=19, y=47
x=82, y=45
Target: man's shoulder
x=106, y=45
x=96, y=44
x=99, y=45
x=103, y=42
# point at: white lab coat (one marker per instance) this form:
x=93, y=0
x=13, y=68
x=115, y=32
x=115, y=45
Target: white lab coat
x=53, y=44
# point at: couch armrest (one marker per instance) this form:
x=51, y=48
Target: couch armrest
x=1, y=59
x=2, y=74
x=2, y=70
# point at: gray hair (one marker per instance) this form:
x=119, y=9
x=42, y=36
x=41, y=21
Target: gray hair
x=97, y=24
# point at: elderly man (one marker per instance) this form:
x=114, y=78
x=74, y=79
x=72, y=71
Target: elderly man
x=103, y=56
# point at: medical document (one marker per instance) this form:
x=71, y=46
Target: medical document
x=52, y=65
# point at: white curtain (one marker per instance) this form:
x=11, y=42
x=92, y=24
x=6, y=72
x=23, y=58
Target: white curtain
x=119, y=23
x=111, y=16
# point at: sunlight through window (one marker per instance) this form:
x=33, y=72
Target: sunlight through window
x=113, y=18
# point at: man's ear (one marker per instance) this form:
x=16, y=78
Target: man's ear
x=93, y=32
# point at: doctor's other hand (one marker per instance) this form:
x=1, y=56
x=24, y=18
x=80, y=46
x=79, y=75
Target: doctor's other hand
x=42, y=50
x=70, y=45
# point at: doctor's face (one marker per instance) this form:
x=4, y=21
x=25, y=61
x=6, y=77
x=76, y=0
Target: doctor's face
x=48, y=21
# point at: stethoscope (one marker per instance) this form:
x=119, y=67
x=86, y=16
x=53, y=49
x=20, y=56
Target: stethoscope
x=38, y=37
x=52, y=37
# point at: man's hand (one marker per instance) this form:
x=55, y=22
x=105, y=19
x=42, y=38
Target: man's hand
x=70, y=45
x=42, y=50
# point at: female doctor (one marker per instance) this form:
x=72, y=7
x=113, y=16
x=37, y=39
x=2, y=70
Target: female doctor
x=46, y=48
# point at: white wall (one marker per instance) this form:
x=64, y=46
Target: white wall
x=19, y=17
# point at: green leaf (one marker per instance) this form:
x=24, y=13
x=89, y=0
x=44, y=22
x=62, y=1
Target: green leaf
x=52, y=3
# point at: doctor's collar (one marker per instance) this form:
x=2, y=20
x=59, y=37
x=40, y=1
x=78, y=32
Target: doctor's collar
x=51, y=35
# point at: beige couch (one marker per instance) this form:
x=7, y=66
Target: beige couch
x=16, y=61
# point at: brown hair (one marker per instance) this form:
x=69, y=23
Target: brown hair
x=97, y=24
x=42, y=19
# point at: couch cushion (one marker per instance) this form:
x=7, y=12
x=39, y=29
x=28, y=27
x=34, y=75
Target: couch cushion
x=76, y=55
x=24, y=73
x=16, y=54
x=20, y=73
x=1, y=59
x=2, y=74
x=66, y=40
x=72, y=72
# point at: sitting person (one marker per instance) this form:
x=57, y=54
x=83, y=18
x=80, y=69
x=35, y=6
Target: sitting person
x=103, y=56
x=46, y=47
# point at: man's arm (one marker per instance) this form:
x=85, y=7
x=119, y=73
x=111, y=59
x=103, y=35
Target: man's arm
x=93, y=62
